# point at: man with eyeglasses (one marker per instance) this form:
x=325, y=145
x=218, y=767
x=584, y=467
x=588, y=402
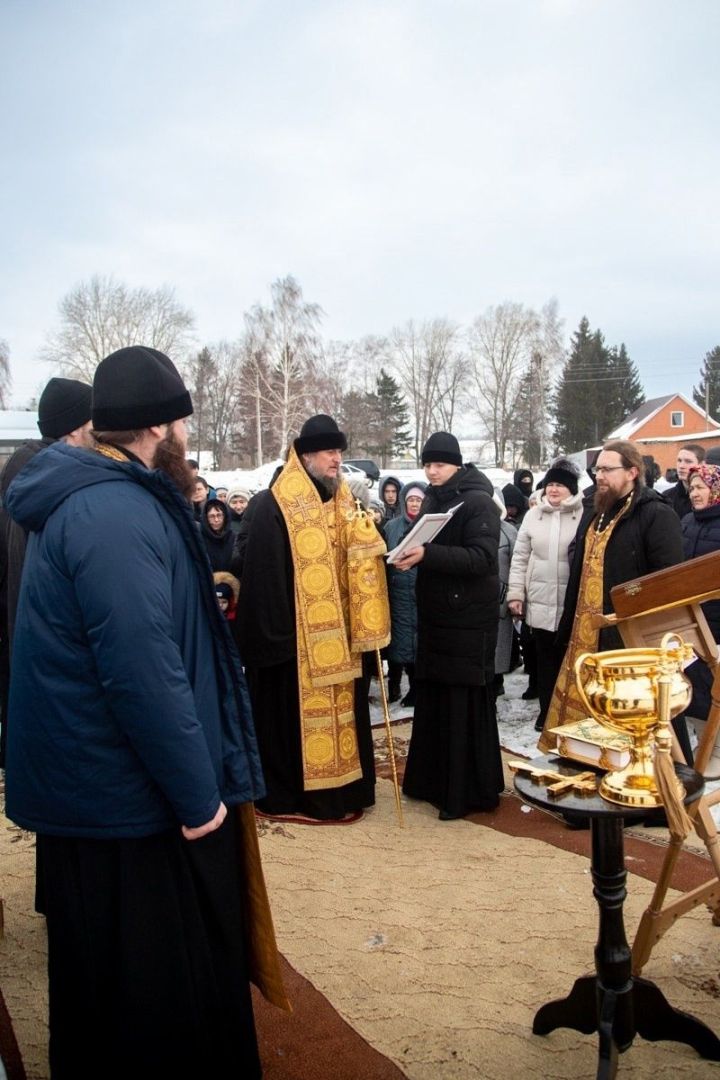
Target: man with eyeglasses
x=629, y=531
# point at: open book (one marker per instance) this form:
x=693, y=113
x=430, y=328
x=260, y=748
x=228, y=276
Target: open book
x=422, y=532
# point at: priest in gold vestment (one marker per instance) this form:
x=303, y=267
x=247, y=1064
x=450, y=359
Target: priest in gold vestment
x=628, y=531
x=313, y=598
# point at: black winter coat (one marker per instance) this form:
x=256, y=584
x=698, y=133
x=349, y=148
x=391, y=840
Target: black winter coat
x=15, y=537
x=646, y=538
x=458, y=586
x=262, y=561
x=701, y=536
x=679, y=499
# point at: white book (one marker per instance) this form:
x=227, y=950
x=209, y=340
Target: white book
x=593, y=744
x=422, y=532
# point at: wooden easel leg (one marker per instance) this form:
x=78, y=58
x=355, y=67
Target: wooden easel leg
x=647, y=932
x=656, y=919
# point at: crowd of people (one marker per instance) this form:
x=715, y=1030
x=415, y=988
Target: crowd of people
x=177, y=659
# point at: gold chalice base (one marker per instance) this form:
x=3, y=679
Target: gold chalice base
x=634, y=787
x=631, y=787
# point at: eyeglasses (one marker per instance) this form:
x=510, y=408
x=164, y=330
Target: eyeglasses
x=600, y=470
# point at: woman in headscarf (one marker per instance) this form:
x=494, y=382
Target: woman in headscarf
x=454, y=757
x=701, y=535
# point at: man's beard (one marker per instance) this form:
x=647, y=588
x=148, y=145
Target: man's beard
x=170, y=459
x=604, y=500
x=330, y=484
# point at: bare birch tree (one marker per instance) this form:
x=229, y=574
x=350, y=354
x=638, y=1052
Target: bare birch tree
x=101, y=315
x=429, y=367
x=500, y=344
x=547, y=354
x=288, y=347
x=5, y=377
x=214, y=378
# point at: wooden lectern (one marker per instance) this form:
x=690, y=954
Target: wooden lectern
x=646, y=609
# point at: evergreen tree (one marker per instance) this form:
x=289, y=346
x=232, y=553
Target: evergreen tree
x=356, y=417
x=625, y=390
x=575, y=401
x=598, y=387
x=389, y=435
x=200, y=372
x=707, y=393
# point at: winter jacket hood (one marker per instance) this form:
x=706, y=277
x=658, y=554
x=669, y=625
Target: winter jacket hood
x=422, y=486
x=573, y=504
x=391, y=511
x=523, y=475
x=52, y=476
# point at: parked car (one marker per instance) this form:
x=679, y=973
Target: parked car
x=352, y=470
x=367, y=465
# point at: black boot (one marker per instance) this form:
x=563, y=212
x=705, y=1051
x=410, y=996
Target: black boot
x=409, y=699
x=394, y=677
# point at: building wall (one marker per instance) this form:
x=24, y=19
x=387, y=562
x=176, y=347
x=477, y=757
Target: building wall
x=658, y=425
x=665, y=452
x=693, y=430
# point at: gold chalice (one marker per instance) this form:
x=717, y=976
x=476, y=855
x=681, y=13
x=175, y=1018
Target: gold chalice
x=636, y=691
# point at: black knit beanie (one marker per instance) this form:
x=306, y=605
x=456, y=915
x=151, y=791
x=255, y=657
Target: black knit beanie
x=442, y=446
x=136, y=388
x=64, y=405
x=319, y=433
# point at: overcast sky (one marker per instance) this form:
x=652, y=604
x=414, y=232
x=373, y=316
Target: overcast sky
x=401, y=159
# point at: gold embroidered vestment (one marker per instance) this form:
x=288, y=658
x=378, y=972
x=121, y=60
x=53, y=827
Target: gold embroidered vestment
x=565, y=705
x=341, y=610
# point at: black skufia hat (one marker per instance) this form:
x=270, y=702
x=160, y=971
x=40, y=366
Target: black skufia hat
x=136, y=388
x=442, y=446
x=65, y=404
x=319, y=433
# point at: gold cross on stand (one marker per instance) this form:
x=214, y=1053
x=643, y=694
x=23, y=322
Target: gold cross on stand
x=584, y=783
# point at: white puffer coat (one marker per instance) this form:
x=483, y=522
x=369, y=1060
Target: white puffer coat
x=540, y=568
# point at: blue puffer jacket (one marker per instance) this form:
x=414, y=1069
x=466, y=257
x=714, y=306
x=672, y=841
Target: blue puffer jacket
x=401, y=587
x=129, y=712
